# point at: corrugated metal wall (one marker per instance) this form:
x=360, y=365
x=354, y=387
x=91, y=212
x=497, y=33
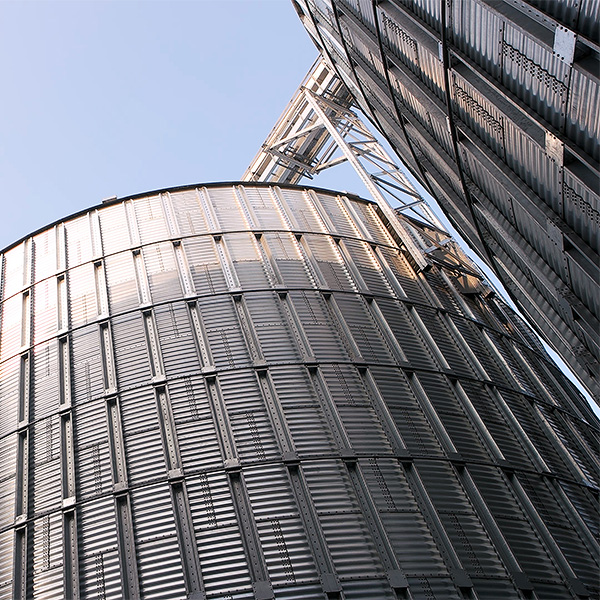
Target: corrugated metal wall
x=239, y=392
x=502, y=111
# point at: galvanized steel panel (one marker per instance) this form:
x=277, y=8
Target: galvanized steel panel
x=582, y=17
x=535, y=74
x=588, y=22
x=407, y=99
x=479, y=114
x=159, y=560
x=470, y=18
x=432, y=73
x=582, y=124
x=147, y=220
x=430, y=11
x=258, y=431
x=533, y=165
x=114, y=226
x=15, y=270
x=8, y=481
x=581, y=209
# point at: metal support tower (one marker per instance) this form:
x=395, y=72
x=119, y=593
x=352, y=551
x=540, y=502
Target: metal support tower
x=317, y=131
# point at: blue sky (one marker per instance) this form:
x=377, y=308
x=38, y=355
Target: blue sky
x=104, y=98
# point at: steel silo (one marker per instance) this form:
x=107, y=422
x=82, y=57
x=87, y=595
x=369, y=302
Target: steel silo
x=241, y=391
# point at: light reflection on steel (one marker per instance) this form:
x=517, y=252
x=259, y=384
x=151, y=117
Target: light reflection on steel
x=247, y=391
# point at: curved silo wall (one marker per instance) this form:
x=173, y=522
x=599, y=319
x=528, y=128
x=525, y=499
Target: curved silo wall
x=243, y=392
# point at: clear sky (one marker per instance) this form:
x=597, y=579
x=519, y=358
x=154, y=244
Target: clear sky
x=103, y=98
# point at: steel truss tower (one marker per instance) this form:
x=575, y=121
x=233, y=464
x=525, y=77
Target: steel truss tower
x=493, y=106
x=318, y=131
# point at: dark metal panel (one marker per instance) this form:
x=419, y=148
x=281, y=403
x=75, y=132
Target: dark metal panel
x=449, y=347
x=411, y=422
x=472, y=335
x=462, y=432
x=588, y=464
x=363, y=329
x=516, y=529
x=343, y=524
x=509, y=355
x=402, y=517
x=285, y=546
x=406, y=332
x=511, y=446
x=303, y=413
x=462, y=524
x=142, y=437
x=566, y=536
x=584, y=502
x=526, y=418
x=159, y=558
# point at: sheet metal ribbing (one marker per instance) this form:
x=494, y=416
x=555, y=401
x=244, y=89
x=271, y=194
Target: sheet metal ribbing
x=246, y=391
